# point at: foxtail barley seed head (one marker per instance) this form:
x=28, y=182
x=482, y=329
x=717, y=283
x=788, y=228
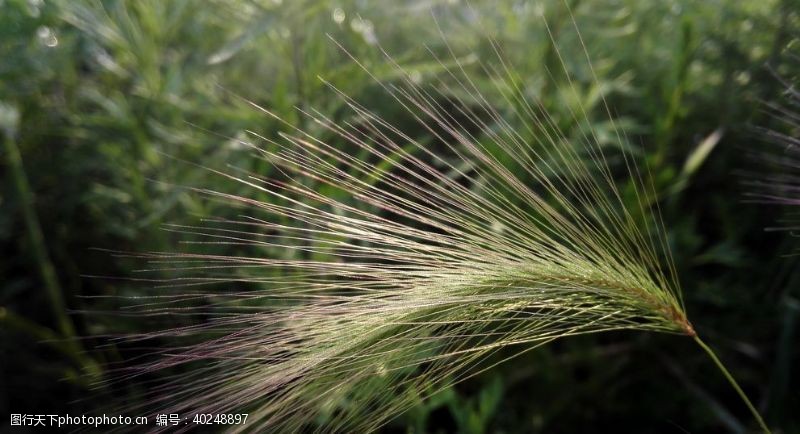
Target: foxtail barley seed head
x=409, y=264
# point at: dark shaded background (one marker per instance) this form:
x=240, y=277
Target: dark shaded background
x=95, y=94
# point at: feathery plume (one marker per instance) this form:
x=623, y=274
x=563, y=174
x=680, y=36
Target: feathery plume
x=410, y=264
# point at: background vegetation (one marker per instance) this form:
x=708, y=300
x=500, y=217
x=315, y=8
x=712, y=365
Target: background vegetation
x=99, y=100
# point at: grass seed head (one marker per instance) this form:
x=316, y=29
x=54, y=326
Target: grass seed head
x=409, y=264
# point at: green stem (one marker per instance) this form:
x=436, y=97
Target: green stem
x=36, y=239
x=733, y=383
x=39, y=252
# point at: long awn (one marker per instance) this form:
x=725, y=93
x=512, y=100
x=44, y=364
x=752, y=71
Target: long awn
x=413, y=263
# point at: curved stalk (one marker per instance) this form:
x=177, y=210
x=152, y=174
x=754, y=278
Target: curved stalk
x=733, y=382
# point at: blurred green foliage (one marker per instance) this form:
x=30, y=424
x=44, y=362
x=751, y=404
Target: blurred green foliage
x=118, y=101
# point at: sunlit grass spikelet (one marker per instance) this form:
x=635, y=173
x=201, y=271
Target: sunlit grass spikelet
x=417, y=263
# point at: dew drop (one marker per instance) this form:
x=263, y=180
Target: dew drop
x=46, y=36
x=338, y=15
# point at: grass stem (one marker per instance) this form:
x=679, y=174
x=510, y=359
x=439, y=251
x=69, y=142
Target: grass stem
x=733, y=382
x=38, y=248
